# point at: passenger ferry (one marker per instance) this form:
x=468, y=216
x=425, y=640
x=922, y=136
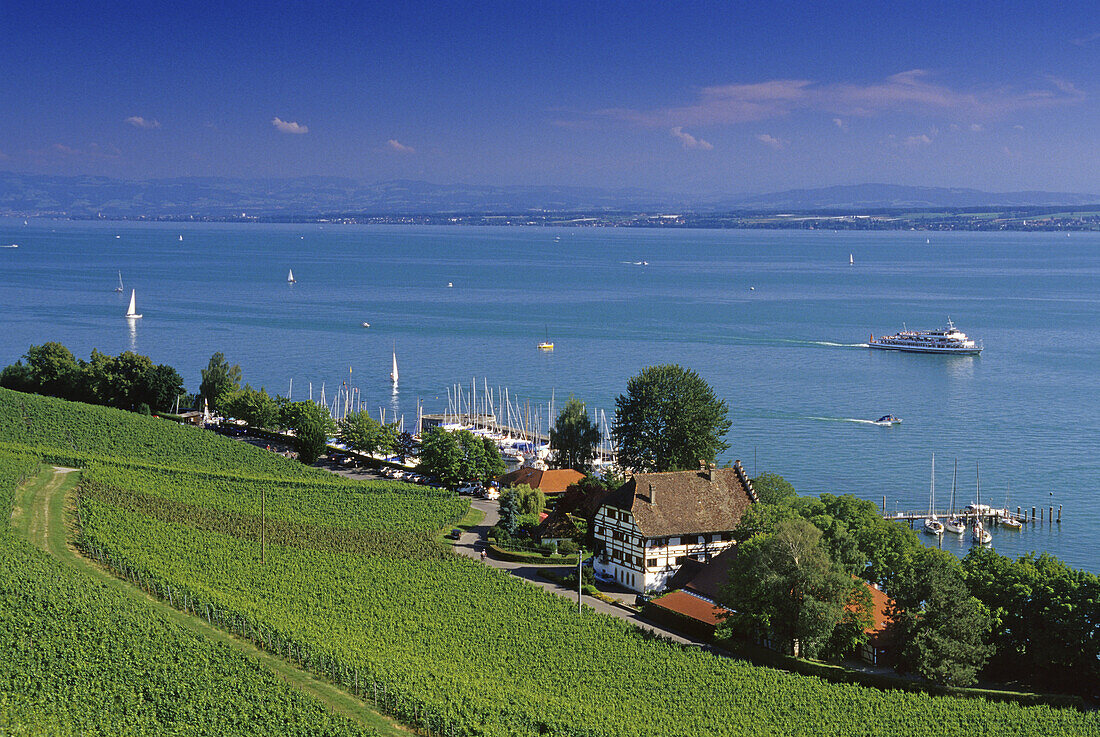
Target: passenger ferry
x=947, y=340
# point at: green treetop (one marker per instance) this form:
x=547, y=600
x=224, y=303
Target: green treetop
x=669, y=419
x=574, y=438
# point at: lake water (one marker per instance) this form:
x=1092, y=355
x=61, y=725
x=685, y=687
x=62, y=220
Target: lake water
x=787, y=356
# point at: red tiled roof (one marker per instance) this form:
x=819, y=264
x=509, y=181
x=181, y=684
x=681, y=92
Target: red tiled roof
x=691, y=606
x=553, y=481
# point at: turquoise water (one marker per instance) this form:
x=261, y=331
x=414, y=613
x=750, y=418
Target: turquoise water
x=787, y=356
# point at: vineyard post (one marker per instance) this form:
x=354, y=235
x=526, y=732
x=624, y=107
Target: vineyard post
x=580, y=579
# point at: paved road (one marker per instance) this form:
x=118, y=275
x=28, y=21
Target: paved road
x=472, y=544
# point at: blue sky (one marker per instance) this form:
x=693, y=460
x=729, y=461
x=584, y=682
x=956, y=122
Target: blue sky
x=701, y=98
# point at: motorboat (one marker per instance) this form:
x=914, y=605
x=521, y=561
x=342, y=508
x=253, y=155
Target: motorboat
x=546, y=346
x=887, y=420
x=366, y=324
x=946, y=340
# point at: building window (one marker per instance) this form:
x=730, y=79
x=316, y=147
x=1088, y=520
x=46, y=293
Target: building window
x=651, y=563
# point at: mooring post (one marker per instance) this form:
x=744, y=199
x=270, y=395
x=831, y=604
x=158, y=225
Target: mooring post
x=1059, y=514
x=1050, y=515
x=1033, y=515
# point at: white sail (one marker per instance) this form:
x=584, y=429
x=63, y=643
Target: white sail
x=393, y=372
x=851, y=260
x=290, y=276
x=131, y=311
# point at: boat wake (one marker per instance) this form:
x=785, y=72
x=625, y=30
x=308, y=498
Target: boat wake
x=837, y=345
x=842, y=419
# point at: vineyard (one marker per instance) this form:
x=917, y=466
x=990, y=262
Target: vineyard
x=76, y=434
x=78, y=658
x=355, y=587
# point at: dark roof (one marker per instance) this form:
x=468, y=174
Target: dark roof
x=556, y=525
x=686, y=502
x=553, y=481
x=713, y=577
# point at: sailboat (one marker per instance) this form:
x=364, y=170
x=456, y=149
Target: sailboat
x=290, y=276
x=131, y=311
x=955, y=525
x=119, y=287
x=1006, y=520
x=851, y=261
x=393, y=371
x=181, y=238
x=932, y=525
x=980, y=534
x=546, y=344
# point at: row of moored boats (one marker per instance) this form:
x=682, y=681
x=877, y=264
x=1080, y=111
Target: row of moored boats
x=957, y=523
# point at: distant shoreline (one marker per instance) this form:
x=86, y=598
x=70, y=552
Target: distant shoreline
x=1038, y=219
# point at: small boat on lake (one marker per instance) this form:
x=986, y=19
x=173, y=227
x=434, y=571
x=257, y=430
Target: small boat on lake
x=131, y=311
x=290, y=277
x=119, y=287
x=932, y=525
x=887, y=420
x=955, y=524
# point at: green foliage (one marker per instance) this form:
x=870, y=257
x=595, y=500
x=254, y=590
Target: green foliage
x=1046, y=618
x=574, y=438
x=786, y=585
x=458, y=457
x=78, y=658
x=359, y=431
x=219, y=378
x=771, y=488
x=127, y=381
x=528, y=500
x=669, y=419
x=79, y=433
x=942, y=629
x=312, y=425
x=509, y=515
x=256, y=408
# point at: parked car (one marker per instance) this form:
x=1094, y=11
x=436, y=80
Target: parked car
x=470, y=489
x=455, y=534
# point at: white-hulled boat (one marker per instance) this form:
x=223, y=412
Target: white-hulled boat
x=290, y=276
x=932, y=525
x=980, y=534
x=887, y=420
x=131, y=311
x=393, y=371
x=119, y=287
x=946, y=340
x=1005, y=519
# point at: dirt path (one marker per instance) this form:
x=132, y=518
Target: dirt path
x=42, y=514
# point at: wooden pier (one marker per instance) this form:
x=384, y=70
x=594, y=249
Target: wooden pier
x=1044, y=516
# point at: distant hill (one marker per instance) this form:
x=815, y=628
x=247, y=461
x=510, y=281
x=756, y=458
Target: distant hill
x=311, y=197
x=898, y=197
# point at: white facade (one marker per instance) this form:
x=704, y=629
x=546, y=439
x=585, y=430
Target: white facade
x=646, y=564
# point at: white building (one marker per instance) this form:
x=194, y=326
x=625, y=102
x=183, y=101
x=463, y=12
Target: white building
x=653, y=523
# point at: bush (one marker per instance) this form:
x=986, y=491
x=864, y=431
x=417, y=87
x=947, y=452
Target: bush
x=567, y=547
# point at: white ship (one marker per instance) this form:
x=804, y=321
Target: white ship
x=947, y=340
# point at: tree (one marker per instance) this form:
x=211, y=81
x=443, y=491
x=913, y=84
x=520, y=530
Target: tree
x=53, y=369
x=785, y=584
x=771, y=488
x=311, y=425
x=574, y=438
x=509, y=514
x=405, y=446
x=668, y=419
x=361, y=432
x=528, y=500
x=441, y=457
x=256, y=408
x=942, y=629
x=219, y=378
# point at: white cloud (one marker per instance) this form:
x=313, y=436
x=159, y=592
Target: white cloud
x=839, y=123
x=914, y=141
x=771, y=141
x=287, y=126
x=396, y=145
x=912, y=91
x=976, y=127
x=688, y=140
x=139, y=122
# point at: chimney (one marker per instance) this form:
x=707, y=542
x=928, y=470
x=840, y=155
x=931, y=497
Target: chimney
x=652, y=494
